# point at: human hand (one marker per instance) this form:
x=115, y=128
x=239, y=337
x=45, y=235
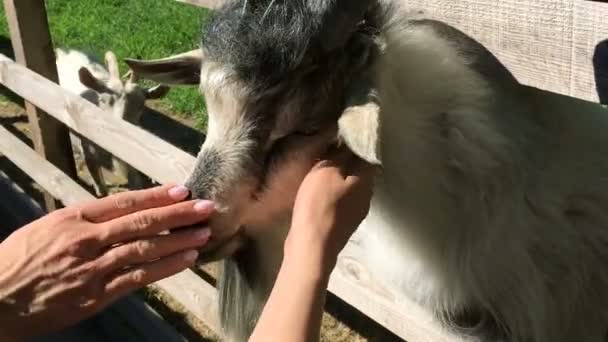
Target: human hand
x=330, y=204
x=72, y=263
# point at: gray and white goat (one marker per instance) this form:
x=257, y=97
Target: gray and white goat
x=81, y=74
x=492, y=196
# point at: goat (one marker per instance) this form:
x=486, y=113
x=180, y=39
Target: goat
x=492, y=196
x=84, y=76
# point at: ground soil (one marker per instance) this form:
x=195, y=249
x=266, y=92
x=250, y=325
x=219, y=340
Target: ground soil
x=340, y=322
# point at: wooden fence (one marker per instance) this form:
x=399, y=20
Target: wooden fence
x=548, y=44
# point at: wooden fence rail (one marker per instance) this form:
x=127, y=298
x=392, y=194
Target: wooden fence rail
x=165, y=163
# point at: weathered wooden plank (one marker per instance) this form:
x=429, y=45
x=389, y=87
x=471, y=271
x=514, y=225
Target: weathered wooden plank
x=201, y=3
x=186, y=288
x=33, y=48
x=144, y=151
x=548, y=44
x=156, y=158
x=53, y=180
x=194, y=294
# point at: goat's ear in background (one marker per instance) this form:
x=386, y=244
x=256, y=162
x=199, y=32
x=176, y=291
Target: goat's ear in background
x=157, y=92
x=338, y=19
x=90, y=81
x=182, y=69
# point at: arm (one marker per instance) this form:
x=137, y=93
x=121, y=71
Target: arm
x=295, y=307
x=331, y=203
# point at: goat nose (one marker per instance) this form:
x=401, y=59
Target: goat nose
x=198, y=192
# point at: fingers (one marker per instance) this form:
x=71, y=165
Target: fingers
x=361, y=171
x=122, y=283
x=142, y=251
x=125, y=203
x=336, y=156
x=150, y=222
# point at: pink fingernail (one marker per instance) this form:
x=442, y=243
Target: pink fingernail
x=191, y=256
x=178, y=192
x=204, y=206
x=203, y=234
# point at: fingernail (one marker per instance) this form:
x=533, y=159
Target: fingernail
x=204, y=206
x=178, y=192
x=203, y=234
x=191, y=256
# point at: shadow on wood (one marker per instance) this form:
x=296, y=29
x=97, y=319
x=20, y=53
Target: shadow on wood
x=9, y=124
x=172, y=131
x=357, y=321
x=600, y=67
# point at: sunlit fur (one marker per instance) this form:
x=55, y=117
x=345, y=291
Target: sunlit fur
x=492, y=200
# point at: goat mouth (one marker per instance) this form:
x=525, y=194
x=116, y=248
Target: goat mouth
x=217, y=249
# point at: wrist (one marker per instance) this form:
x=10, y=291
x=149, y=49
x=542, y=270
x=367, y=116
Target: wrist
x=309, y=255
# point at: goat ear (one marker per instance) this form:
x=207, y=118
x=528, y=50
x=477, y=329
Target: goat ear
x=112, y=64
x=338, y=20
x=90, y=81
x=182, y=69
x=157, y=92
x=358, y=126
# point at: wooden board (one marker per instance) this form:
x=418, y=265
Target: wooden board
x=156, y=158
x=186, y=288
x=166, y=163
x=548, y=44
x=33, y=48
x=201, y=3
x=553, y=45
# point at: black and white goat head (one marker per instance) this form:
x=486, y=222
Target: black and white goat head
x=480, y=207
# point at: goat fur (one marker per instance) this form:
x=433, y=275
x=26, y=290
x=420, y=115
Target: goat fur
x=493, y=196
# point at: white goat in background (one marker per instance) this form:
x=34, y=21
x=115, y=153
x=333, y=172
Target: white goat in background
x=84, y=76
x=491, y=210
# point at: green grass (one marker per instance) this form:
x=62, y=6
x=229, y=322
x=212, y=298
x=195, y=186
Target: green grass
x=131, y=28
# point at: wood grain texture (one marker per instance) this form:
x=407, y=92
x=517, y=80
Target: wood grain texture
x=548, y=44
x=53, y=180
x=33, y=48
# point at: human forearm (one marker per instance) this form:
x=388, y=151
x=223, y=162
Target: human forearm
x=295, y=307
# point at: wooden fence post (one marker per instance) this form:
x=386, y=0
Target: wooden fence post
x=33, y=47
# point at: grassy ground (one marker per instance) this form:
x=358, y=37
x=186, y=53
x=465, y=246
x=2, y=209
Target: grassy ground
x=131, y=28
